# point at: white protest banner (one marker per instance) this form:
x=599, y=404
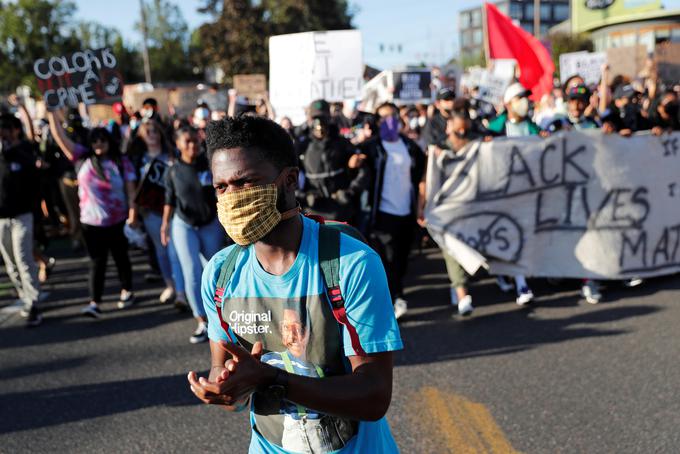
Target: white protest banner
x=585, y=64
x=304, y=67
x=579, y=204
x=492, y=88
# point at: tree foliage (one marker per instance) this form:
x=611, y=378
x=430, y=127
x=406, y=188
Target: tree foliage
x=565, y=42
x=237, y=38
x=168, y=41
x=32, y=29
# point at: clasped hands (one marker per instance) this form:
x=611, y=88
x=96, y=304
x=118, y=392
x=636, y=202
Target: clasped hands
x=232, y=384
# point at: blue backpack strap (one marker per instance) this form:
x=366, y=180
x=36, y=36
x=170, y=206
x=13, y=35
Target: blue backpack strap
x=226, y=271
x=329, y=262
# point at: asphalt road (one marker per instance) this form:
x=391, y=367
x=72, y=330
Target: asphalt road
x=562, y=376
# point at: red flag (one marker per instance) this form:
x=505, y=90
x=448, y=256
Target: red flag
x=506, y=40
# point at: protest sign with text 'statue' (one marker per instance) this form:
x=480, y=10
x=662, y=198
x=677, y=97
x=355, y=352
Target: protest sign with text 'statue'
x=579, y=204
x=87, y=76
x=307, y=66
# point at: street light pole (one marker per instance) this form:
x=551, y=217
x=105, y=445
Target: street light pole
x=537, y=19
x=145, y=49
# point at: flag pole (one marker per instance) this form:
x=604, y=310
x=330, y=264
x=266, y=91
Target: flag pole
x=485, y=33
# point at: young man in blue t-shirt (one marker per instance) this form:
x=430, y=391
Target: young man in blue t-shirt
x=316, y=375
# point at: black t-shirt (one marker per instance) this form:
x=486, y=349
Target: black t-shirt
x=18, y=180
x=188, y=188
x=435, y=129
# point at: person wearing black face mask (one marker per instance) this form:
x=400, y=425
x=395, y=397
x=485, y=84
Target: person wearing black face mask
x=666, y=118
x=397, y=165
x=330, y=190
x=459, y=133
x=435, y=129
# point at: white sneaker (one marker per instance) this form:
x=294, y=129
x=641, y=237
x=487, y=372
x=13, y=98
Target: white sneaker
x=504, y=284
x=524, y=296
x=634, y=282
x=400, y=307
x=590, y=292
x=127, y=299
x=167, y=295
x=465, y=306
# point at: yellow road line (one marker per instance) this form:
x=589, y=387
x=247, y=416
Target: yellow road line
x=463, y=426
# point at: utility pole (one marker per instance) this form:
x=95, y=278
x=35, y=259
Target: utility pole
x=537, y=19
x=145, y=49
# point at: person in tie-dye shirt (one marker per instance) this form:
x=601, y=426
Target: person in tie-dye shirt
x=106, y=183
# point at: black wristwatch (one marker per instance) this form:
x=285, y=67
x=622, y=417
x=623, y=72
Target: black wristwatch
x=278, y=388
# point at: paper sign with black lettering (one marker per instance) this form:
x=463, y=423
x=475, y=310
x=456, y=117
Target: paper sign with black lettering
x=580, y=204
x=307, y=66
x=492, y=88
x=588, y=65
x=412, y=86
x=151, y=193
x=86, y=76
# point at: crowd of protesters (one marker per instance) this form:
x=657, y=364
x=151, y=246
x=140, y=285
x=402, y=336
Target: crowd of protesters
x=364, y=168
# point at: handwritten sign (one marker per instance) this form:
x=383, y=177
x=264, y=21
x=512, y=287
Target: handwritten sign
x=588, y=65
x=492, y=87
x=252, y=86
x=573, y=205
x=85, y=76
x=304, y=67
x=626, y=61
x=667, y=56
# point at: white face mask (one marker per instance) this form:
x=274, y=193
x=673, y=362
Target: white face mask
x=520, y=106
x=422, y=121
x=413, y=123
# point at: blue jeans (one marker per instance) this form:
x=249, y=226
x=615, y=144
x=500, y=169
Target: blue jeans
x=168, y=261
x=195, y=246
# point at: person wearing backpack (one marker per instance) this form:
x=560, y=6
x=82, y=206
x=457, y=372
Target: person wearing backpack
x=292, y=293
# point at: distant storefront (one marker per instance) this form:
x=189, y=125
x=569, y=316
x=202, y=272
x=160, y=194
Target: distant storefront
x=623, y=23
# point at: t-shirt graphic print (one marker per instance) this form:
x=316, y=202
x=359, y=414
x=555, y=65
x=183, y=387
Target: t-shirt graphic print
x=291, y=316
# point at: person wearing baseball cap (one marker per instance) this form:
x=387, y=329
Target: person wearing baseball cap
x=578, y=98
x=330, y=189
x=434, y=132
x=515, y=122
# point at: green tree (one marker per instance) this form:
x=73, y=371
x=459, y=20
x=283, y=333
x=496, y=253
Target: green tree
x=31, y=29
x=168, y=41
x=563, y=43
x=237, y=38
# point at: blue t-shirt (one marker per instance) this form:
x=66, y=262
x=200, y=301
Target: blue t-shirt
x=291, y=313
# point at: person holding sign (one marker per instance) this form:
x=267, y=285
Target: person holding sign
x=106, y=187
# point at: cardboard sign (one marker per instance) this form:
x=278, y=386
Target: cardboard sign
x=151, y=193
x=304, y=67
x=573, y=205
x=626, y=61
x=588, y=65
x=667, y=56
x=252, y=86
x=411, y=87
x=85, y=76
